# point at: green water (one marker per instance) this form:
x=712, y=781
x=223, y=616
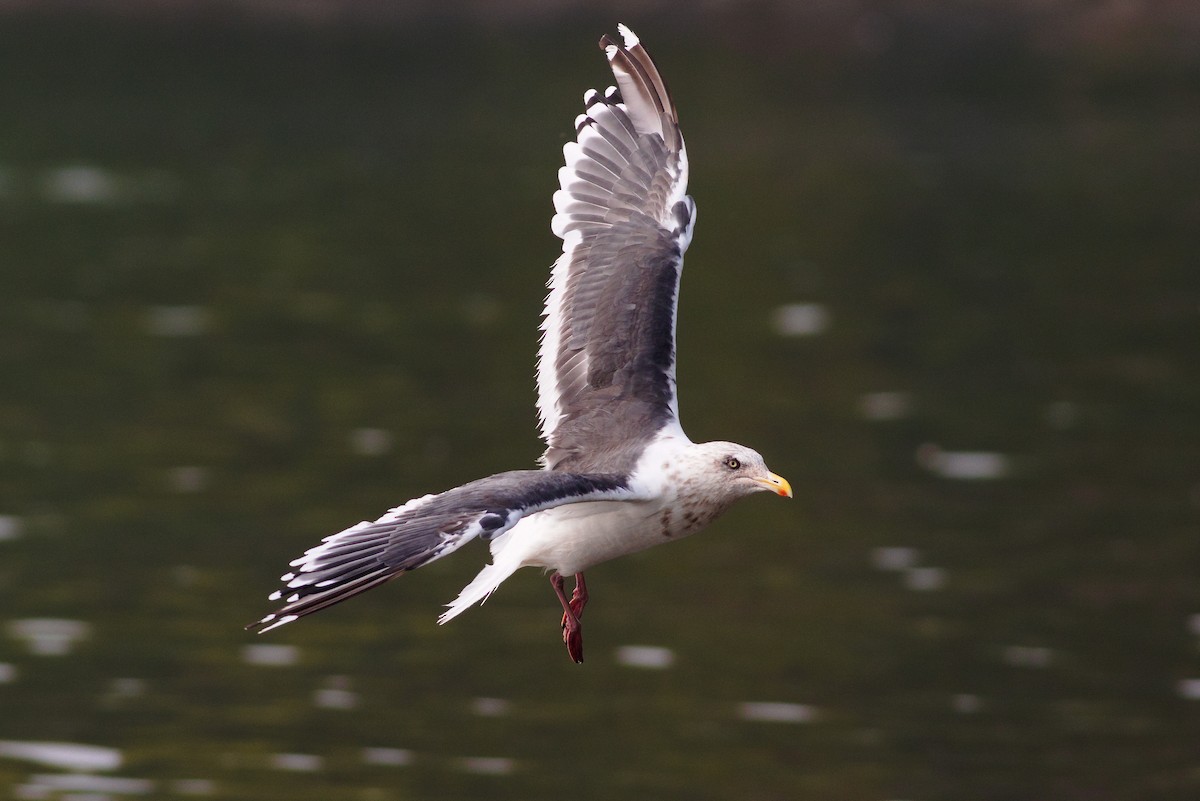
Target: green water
x=256, y=286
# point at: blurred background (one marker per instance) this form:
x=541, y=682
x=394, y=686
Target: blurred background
x=268, y=269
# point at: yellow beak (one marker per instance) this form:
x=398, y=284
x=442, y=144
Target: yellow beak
x=776, y=484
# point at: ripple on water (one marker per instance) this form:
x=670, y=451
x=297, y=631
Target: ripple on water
x=370, y=441
x=800, y=319
x=894, y=557
x=78, y=784
x=336, y=694
x=966, y=703
x=300, y=763
x=1062, y=415
x=925, y=579
x=124, y=689
x=270, y=654
x=67, y=756
x=10, y=527
x=388, y=757
x=776, y=712
x=46, y=636
x=647, y=657
x=491, y=707
x=487, y=766
x=178, y=321
x=81, y=183
x=881, y=407
x=187, y=479
x=1028, y=656
x=194, y=787
x=963, y=465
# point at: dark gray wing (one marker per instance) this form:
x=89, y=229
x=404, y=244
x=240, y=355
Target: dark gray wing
x=606, y=366
x=425, y=529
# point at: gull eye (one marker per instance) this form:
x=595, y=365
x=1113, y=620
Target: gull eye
x=732, y=463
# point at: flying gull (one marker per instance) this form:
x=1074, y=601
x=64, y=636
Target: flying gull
x=619, y=475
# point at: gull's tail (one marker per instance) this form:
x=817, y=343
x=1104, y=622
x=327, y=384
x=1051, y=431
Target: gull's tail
x=483, y=585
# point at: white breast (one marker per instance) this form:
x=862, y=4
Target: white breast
x=573, y=537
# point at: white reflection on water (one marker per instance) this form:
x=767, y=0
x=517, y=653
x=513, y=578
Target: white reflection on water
x=187, y=479
x=1061, y=415
x=80, y=184
x=389, y=757
x=329, y=698
x=895, y=557
x=1194, y=624
x=1028, y=656
x=488, y=766
x=8, y=673
x=370, y=441
x=10, y=527
x=194, y=787
x=776, y=712
x=46, y=636
x=336, y=694
x=925, y=579
x=123, y=690
x=177, y=321
x=1189, y=689
x=883, y=406
x=902, y=559
x=44, y=784
x=649, y=657
x=800, y=319
x=301, y=763
x=966, y=703
x=67, y=756
x=490, y=707
x=963, y=465
x=270, y=654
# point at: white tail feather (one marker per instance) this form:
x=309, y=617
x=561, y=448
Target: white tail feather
x=483, y=585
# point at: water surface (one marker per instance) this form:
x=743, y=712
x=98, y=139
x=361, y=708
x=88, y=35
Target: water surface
x=258, y=285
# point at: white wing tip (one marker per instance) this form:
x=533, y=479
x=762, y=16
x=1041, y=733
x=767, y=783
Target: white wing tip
x=282, y=621
x=631, y=40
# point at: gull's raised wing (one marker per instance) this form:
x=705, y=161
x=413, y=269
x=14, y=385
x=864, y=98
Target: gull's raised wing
x=606, y=366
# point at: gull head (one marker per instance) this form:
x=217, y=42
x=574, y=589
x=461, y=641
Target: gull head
x=730, y=471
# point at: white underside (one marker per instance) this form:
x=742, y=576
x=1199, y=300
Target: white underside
x=570, y=539
x=567, y=539
x=574, y=537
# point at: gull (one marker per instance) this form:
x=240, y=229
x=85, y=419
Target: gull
x=618, y=475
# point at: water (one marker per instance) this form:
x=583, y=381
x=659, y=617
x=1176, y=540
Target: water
x=258, y=285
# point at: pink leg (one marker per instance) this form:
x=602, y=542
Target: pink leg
x=572, y=610
x=579, y=597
